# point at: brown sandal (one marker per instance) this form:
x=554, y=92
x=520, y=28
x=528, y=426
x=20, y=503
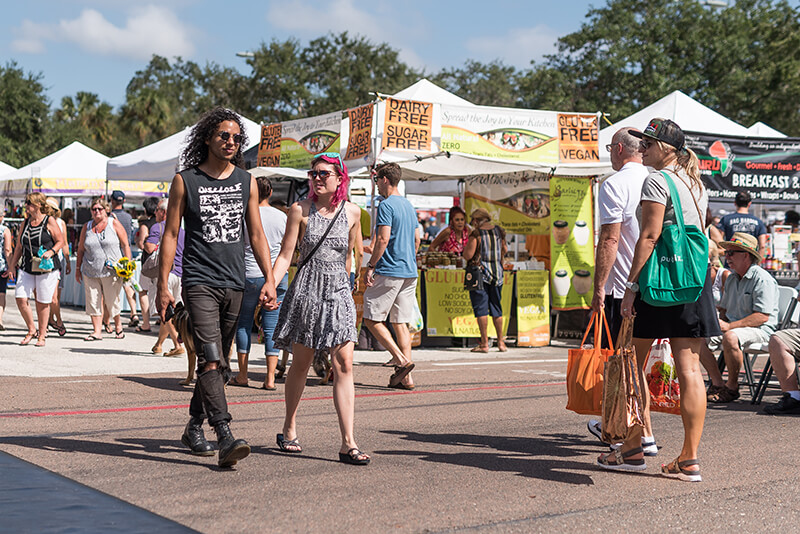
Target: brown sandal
x=724, y=395
x=619, y=461
x=675, y=469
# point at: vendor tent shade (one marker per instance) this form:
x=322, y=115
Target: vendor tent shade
x=760, y=129
x=74, y=170
x=426, y=91
x=5, y=168
x=158, y=162
x=687, y=112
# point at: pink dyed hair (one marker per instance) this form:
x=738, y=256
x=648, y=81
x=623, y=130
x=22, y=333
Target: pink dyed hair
x=341, y=192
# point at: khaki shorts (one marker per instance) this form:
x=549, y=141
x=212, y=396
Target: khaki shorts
x=747, y=336
x=390, y=297
x=149, y=285
x=105, y=289
x=790, y=338
x=174, y=286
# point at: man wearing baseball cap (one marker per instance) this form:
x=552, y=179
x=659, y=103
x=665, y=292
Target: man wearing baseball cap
x=748, y=313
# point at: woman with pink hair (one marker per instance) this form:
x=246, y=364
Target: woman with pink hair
x=318, y=311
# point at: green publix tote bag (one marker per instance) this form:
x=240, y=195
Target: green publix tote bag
x=676, y=270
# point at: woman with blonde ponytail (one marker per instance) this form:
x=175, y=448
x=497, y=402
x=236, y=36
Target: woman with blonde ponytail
x=686, y=325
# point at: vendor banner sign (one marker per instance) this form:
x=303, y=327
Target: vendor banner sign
x=769, y=169
x=533, y=308
x=408, y=125
x=449, y=311
x=359, y=142
x=543, y=137
x=295, y=143
x=571, y=242
x=519, y=203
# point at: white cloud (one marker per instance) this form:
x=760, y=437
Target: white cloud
x=148, y=30
x=304, y=20
x=517, y=47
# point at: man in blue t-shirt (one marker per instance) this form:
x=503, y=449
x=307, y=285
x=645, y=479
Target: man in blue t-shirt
x=391, y=275
x=742, y=221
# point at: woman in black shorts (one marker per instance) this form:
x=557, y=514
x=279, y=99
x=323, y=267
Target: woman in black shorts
x=686, y=325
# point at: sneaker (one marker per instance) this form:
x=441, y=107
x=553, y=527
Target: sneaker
x=788, y=405
x=648, y=446
x=596, y=429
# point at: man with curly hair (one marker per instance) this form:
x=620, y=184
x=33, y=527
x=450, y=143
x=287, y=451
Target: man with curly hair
x=215, y=198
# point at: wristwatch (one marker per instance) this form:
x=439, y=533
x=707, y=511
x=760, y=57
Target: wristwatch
x=633, y=286
x=370, y=266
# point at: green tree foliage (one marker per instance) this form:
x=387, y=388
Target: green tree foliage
x=23, y=116
x=485, y=84
x=743, y=60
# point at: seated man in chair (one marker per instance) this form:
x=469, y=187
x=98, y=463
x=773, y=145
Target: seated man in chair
x=748, y=310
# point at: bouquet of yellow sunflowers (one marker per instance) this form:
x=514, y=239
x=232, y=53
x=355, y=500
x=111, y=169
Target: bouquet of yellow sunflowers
x=125, y=269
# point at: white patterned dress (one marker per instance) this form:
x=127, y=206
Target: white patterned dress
x=318, y=310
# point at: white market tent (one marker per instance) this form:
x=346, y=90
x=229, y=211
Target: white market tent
x=75, y=170
x=687, y=113
x=760, y=129
x=158, y=162
x=5, y=168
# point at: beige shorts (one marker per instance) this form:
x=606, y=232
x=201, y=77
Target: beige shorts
x=149, y=285
x=747, y=336
x=790, y=338
x=98, y=290
x=390, y=297
x=174, y=286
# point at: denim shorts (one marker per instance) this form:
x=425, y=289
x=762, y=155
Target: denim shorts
x=487, y=301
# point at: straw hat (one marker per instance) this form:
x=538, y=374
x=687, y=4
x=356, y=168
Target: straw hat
x=480, y=213
x=744, y=242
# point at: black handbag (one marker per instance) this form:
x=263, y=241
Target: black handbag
x=473, y=277
x=473, y=272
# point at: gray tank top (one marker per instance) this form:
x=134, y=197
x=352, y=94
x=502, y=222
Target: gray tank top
x=98, y=249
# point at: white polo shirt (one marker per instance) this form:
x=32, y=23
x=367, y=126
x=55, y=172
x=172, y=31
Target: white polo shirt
x=618, y=199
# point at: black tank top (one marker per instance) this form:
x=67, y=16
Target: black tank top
x=213, y=219
x=34, y=237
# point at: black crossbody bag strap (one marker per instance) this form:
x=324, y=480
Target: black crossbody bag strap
x=321, y=239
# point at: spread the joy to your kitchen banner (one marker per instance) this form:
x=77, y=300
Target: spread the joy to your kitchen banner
x=571, y=242
x=544, y=137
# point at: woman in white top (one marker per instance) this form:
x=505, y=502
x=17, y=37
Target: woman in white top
x=273, y=222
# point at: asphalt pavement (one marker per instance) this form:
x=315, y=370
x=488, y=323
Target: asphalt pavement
x=483, y=444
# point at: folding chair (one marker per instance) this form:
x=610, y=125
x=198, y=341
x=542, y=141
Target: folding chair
x=787, y=301
x=791, y=317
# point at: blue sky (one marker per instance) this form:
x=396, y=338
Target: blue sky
x=98, y=45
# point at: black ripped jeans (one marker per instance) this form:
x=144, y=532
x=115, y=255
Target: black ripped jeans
x=214, y=314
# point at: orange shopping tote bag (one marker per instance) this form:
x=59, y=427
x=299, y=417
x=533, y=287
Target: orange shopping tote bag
x=585, y=370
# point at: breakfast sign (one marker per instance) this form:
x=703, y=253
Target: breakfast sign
x=768, y=168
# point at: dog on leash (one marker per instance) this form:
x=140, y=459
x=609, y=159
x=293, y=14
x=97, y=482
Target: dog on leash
x=183, y=324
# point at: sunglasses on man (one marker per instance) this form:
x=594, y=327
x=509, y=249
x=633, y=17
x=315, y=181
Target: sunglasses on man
x=237, y=138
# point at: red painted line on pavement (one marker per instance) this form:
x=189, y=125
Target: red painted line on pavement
x=268, y=401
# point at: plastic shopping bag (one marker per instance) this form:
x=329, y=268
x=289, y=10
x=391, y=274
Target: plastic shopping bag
x=416, y=324
x=623, y=404
x=662, y=381
x=585, y=370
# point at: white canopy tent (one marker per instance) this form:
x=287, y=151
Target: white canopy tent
x=5, y=168
x=760, y=129
x=75, y=170
x=158, y=162
x=687, y=112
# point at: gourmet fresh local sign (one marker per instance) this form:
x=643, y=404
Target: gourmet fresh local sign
x=768, y=168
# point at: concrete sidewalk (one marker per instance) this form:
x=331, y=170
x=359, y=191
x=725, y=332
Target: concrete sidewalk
x=71, y=356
